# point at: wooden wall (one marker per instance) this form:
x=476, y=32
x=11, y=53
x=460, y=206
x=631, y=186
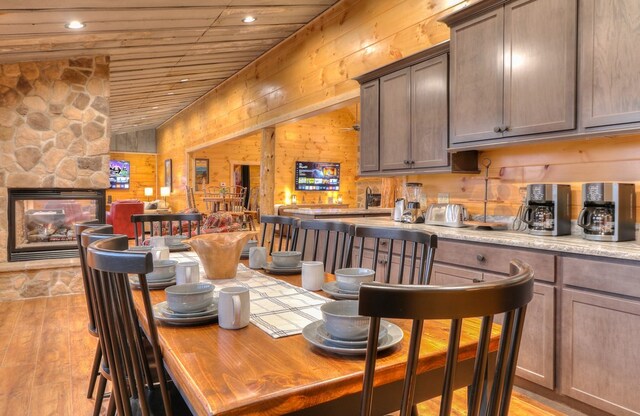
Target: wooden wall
x=324, y=138
x=143, y=174
x=310, y=70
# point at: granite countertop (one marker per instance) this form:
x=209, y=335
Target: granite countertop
x=319, y=212
x=573, y=244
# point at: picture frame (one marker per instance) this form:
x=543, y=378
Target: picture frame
x=201, y=173
x=168, y=174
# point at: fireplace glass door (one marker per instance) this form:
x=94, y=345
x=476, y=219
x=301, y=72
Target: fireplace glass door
x=41, y=222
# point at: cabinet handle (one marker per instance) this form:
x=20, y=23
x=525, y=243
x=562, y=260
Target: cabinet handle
x=413, y=162
x=382, y=261
x=497, y=129
x=480, y=258
x=504, y=128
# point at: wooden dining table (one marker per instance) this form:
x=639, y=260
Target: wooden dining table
x=247, y=372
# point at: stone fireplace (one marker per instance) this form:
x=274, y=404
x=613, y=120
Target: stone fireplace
x=54, y=134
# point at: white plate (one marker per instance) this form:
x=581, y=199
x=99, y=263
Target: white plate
x=178, y=247
x=169, y=313
x=394, y=336
x=332, y=289
x=135, y=283
x=270, y=268
x=161, y=279
x=193, y=320
x=324, y=334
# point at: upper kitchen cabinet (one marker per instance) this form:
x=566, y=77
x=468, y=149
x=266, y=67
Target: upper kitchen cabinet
x=609, y=62
x=513, y=70
x=404, y=126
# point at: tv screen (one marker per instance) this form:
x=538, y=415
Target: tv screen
x=119, y=174
x=317, y=176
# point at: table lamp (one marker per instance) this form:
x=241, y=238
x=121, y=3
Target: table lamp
x=165, y=191
x=148, y=192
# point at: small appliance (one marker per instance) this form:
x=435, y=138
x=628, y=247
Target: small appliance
x=399, y=209
x=609, y=211
x=547, y=209
x=413, y=213
x=448, y=215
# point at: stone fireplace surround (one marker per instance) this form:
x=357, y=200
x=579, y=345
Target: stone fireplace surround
x=54, y=133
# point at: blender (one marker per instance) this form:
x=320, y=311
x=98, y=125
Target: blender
x=414, y=194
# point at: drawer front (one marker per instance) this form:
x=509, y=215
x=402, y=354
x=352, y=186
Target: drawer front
x=494, y=259
x=606, y=276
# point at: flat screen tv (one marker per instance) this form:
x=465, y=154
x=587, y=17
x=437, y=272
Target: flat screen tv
x=119, y=174
x=317, y=176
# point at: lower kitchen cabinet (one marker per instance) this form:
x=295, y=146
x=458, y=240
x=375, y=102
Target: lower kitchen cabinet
x=600, y=358
x=536, y=358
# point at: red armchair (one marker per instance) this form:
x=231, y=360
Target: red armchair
x=120, y=216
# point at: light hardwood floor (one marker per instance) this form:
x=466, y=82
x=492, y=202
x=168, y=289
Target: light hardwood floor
x=46, y=354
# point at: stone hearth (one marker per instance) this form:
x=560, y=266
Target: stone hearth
x=54, y=133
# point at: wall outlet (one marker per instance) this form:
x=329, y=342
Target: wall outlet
x=443, y=198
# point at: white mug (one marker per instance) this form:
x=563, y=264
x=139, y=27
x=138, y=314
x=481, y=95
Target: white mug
x=233, y=307
x=312, y=275
x=187, y=272
x=160, y=253
x=257, y=257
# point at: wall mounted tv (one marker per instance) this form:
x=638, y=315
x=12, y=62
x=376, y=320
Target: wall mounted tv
x=119, y=174
x=317, y=176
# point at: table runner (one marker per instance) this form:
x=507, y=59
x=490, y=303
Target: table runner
x=278, y=308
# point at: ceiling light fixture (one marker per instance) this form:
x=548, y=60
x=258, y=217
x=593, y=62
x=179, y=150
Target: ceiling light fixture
x=75, y=24
x=170, y=93
x=184, y=80
x=154, y=108
x=248, y=19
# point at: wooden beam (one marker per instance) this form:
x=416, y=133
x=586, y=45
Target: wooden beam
x=267, y=170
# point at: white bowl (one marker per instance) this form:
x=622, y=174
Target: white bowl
x=342, y=321
x=174, y=240
x=162, y=269
x=349, y=279
x=286, y=258
x=189, y=297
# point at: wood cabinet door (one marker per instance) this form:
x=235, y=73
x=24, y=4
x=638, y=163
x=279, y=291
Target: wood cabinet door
x=429, y=121
x=609, y=62
x=395, y=120
x=369, y=127
x=477, y=54
x=540, y=66
x=600, y=357
x=449, y=275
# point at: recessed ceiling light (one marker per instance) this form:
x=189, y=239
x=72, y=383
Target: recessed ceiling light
x=248, y=19
x=75, y=24
x=184, y=80
x=154, y=108
x=170, y=93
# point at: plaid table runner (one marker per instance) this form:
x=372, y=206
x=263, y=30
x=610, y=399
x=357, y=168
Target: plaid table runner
x=278, y=308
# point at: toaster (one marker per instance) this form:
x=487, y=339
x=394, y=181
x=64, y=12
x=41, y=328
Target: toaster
x=448, y=215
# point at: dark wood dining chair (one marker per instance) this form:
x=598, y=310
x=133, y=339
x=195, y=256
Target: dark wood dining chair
x=121, y=338
x=328, y=241
x=165, y=224
x=101, y=229
x=488, y=394
x=279, y=233
x=389, y=248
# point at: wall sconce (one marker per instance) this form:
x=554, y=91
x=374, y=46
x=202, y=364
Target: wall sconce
x=294, y=200
x=148, y=192
x=165, y=191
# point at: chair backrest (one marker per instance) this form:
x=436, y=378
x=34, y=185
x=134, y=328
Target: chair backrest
x=120, y=336
x=423, y=302
x=328, y=241
x=385, y=243
x=191, y=200
x=234, y=198
x=165, y=224
x=105, y=229
x=279, y=233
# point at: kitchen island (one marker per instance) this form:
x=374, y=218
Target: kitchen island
x=323, y=213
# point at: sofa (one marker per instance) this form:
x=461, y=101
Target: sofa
x=120, y=216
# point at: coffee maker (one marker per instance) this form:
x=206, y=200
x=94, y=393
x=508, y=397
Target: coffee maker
x=609, y=211
x=413, y=212
x=547, y=209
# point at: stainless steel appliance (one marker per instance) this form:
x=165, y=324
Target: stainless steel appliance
x=399, y=209
x=547, y=209
x=609, y=211
x=413, y=193
x=448, y=215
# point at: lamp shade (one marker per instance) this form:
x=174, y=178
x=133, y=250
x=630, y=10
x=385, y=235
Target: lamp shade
x=165, y=191
x=148, y=191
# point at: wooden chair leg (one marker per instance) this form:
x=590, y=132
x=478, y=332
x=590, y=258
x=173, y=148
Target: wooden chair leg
x=102, y=385
x=95, y=371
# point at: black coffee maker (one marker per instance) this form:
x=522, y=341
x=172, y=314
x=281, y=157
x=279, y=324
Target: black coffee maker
x=609, y=211
x=548, y=209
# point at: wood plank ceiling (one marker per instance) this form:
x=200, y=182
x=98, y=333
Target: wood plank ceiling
x=165, y=54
